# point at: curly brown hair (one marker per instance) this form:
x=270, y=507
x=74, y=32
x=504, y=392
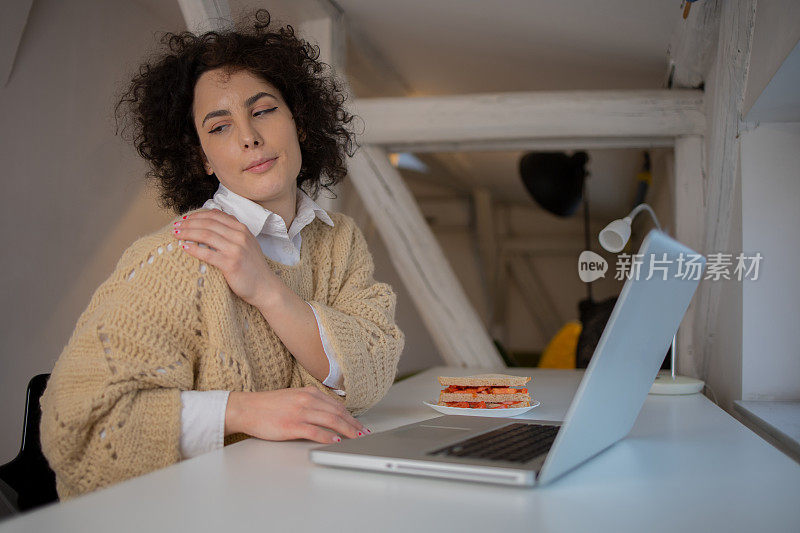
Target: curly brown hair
x=155, y=112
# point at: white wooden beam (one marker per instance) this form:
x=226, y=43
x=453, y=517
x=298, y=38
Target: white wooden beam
x=725, y=103
x=565, y=115
x=689, y=197
x=455, y=327
x=206, y=15
x=689, y=210
x=693, y=45
x=528, y=144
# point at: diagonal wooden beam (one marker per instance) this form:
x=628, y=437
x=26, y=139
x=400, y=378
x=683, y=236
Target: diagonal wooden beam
x=455, y=327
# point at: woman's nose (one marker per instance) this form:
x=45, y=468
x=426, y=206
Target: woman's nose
x=250, y=138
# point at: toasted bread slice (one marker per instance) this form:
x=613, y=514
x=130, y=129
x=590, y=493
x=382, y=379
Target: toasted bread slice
x=484, y=380
x=468, y=397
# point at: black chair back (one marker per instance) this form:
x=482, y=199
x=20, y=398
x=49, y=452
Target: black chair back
x=26, y=482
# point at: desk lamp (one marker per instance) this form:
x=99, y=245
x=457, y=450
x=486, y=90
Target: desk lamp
x=613, y=238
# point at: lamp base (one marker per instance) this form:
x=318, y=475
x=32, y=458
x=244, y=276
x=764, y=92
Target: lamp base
x=664, y=384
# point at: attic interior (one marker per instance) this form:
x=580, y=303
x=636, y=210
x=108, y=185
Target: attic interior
x=735, y=164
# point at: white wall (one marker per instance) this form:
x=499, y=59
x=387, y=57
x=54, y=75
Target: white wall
x=74, y=193
x=770, y=167
x=775, y=34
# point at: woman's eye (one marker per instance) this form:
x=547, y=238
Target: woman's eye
x=264, y=111
x=219, y=129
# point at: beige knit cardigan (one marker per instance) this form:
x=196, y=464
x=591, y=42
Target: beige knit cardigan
x=165, y=322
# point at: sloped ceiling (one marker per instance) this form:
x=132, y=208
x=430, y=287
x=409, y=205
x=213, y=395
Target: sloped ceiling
x=466, y=46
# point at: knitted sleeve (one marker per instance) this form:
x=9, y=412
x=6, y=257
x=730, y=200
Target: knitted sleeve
x=359, y=320
x=112, y=407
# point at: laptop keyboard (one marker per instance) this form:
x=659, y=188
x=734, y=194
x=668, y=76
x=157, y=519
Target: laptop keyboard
x=517, y=443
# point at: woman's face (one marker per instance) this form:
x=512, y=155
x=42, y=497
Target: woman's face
x=242, y=120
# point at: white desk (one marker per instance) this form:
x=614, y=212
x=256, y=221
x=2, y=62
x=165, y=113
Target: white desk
x=686, y=466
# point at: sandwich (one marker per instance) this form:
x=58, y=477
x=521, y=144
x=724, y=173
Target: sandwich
x=485, y=391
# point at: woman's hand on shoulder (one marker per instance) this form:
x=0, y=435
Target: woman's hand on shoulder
x=232, y=249
x=286, y=414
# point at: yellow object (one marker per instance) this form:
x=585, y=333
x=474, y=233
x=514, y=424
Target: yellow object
x=560, y=352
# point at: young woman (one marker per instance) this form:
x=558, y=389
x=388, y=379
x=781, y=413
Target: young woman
x=255, y=312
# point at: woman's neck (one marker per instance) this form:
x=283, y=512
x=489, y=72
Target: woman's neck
x=285, y=207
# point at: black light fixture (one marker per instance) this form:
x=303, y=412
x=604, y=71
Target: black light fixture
x=555, y=180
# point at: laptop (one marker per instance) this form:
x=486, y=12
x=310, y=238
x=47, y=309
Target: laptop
x=526, y=452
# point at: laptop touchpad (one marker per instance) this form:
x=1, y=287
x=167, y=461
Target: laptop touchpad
x=426, y=432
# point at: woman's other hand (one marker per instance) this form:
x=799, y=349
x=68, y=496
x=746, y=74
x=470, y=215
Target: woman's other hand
x=285, y=414
x=233, y=250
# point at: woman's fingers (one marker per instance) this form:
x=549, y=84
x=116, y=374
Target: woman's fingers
x=317, y=434
x=331, y=406
x=210, y=232
x=300, y=413
x=329, y=420
x=216, y=215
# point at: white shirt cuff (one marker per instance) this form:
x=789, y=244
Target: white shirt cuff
x=202, y=421
x=335, y=380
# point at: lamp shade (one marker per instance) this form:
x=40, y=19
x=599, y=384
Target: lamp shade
x=614, y=236
x=555, y=180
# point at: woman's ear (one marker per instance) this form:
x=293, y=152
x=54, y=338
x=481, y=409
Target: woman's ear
x=206, y=164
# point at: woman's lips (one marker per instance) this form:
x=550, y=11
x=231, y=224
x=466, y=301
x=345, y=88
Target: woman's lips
x=263, y=167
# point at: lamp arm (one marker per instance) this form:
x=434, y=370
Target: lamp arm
x=644, y=207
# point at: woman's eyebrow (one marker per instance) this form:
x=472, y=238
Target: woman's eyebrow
x=247, y=103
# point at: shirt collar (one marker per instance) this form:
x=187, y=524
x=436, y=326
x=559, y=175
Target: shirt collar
x=260, y=220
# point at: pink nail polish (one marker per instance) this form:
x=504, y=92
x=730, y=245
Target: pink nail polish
x=360, y=434
x=184, y=218
x=337, y=439
x=177, y=231
x=367, y=430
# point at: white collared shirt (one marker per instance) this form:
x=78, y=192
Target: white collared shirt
x=203, y=412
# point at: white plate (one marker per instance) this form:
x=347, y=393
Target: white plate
x=468, y=411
